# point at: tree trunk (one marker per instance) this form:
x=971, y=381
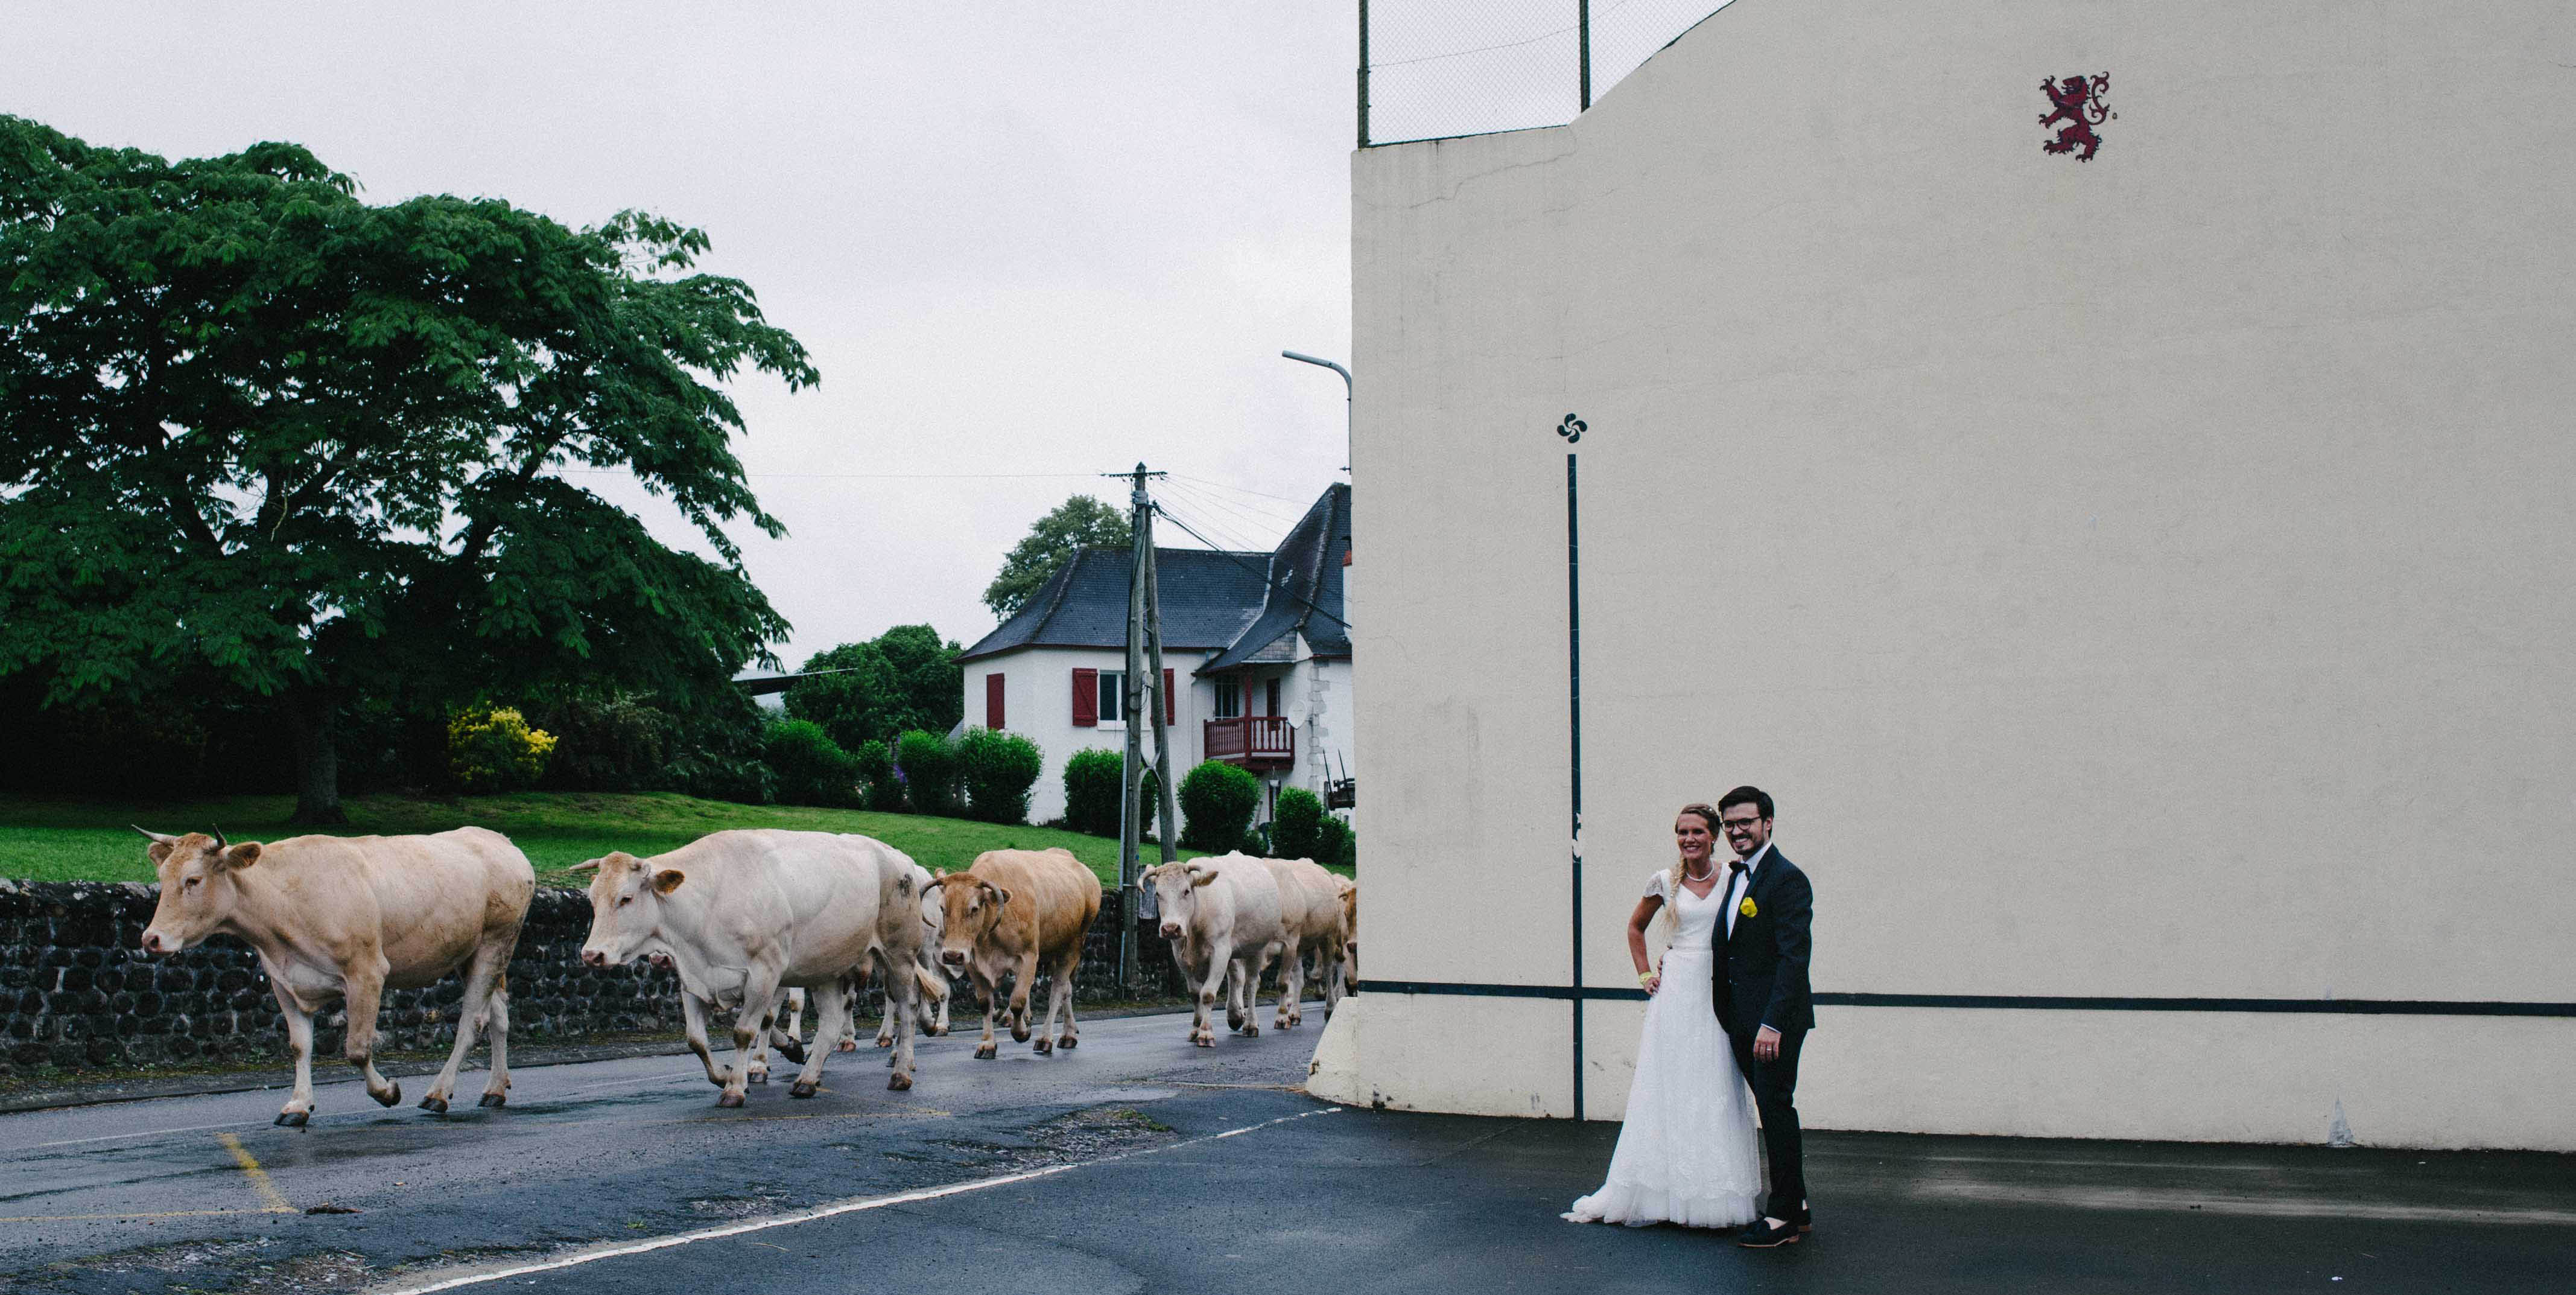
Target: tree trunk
x=317, y=758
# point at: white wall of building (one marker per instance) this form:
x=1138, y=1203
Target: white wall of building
x=2143, y=578
x=1038, y=705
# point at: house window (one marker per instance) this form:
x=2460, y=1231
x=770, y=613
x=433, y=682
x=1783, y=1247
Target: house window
x=1270, y=695
x=1113, y=697
x=1229, y=699
x=993, y=702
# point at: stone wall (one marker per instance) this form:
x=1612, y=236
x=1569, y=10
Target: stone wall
x=78, y=993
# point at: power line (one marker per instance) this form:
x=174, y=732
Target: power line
x=861, y=476
x=1238, y=489
x=1258, y=524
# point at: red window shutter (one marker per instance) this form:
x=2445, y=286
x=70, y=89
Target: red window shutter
x=1086, y=698
x=1170, y=707
x=993, y=702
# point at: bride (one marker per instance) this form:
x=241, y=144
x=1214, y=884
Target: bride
x=1686, y=1153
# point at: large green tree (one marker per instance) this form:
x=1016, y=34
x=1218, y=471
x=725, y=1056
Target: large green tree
x=1081, y=522
x=253, y=425
x=905, y=678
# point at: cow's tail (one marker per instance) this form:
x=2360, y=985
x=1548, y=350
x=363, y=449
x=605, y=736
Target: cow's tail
x=929, y=984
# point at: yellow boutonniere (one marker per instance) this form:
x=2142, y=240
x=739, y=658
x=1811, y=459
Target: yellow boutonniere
x=1746, y=908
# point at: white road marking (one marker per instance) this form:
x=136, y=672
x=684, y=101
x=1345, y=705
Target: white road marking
x=148, y=1133
x=819, y=1212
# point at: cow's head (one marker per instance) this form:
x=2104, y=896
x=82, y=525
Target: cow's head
x=198, y=888
x=968, y=908
x=625, y=906
x=1176, y=889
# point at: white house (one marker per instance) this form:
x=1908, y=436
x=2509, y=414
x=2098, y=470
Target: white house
x=1256, y=655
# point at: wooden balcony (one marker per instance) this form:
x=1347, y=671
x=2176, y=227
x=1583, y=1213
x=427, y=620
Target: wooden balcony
x=1254, y=741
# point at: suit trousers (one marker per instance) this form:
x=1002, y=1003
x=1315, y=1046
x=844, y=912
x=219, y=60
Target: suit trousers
x=1774, y=1083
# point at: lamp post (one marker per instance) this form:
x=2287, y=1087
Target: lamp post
x=1346, y=399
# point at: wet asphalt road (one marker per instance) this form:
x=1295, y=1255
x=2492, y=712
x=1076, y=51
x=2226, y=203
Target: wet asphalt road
x=1135, y=1190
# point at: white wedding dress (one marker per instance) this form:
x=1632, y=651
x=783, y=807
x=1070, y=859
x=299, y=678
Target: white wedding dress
x=1687, y=1153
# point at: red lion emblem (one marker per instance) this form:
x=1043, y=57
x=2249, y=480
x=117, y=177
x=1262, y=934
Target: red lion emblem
x=2079, y=104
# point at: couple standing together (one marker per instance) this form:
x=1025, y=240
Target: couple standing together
x=1729, y=1011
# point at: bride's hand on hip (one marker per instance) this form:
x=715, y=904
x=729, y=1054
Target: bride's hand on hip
x=1653, y=981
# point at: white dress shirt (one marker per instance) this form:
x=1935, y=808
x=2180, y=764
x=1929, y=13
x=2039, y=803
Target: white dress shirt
x=1736, y=889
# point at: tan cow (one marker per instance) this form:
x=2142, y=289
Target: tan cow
x=1351, y=926
x=346, y=918
x=1009, y=913
x=1311, y=912
x=743, y=914
x=1222, y=916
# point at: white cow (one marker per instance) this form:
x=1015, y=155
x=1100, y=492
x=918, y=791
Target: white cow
x=932, y=1005
x=1317, y=926
x=743, y=914
x=1222, y=916
x=348, y=917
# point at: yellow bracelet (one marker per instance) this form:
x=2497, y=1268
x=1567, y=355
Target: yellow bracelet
x=1645, y=977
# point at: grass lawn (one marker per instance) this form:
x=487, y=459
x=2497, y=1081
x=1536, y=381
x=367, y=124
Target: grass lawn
x=45, y=839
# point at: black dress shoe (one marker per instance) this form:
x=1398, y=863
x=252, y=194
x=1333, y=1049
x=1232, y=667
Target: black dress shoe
x=1761, y=1235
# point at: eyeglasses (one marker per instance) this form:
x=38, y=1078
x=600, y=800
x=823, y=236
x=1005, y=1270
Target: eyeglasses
x=1738, y=824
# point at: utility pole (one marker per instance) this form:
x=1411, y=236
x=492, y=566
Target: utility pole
x=1572, y=430
x=1142, y=701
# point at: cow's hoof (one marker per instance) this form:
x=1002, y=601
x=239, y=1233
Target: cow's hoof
x=852, y=1045
x=1251, y=1031
x=940, y=1031
x=728, y=1098
x=1068, y=1043
x=986, y=1051
x=899, y=1081
x=495, y=1100
x=436, y=1104
x=757, y=1077
x=1204, y=1043
x=803, y=1089
x=794, y=1052
x=293, y=1119
x=1019, y=1034
x=882, y=1043
x=1042, y=1047
x=391, y=1095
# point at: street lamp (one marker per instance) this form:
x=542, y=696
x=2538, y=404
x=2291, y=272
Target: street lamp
x=1346, y=398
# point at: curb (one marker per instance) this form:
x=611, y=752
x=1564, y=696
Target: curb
x=522, y=1057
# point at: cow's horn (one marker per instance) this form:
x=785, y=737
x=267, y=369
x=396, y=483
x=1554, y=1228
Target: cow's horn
x=586, y=865
x=165, y=840
x=220, y=842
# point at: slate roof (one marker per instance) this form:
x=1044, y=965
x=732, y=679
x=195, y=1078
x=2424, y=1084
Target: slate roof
x=1244, y=606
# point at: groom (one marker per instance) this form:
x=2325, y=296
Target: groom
x=1761, y=997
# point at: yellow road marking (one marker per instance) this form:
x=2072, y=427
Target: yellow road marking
x=270, y=1200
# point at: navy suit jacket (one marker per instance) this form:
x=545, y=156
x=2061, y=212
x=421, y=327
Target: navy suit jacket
x=1761, y=973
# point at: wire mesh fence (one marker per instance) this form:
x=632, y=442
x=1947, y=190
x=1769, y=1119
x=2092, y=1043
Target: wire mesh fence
x=1431, y=69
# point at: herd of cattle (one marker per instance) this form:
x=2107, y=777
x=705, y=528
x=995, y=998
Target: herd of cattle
x=758, y=921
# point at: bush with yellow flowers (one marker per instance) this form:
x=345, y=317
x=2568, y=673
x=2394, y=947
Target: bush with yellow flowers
x=493, y=750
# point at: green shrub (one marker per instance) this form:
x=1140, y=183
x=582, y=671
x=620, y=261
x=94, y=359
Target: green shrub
x=492, y=750
x=607, y=744
x=928, y=766
x=1217, y=803
x=1091, y=778
x=1256, y=842
x=1336, y=843
x=812, y=769
x=997, y=771
x=878, y=787
x=1297, y=825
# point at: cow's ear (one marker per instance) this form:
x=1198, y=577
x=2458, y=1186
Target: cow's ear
x=1001, y=896
x=1201, y=876
x=242, y=855
x=160, y=852
x=668, y=880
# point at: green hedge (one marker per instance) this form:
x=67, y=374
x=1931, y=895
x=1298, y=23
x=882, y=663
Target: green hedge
x=998, y=769
x=929, y=766
x=1217, y=804
x=878, y=786
x=1297, y=825
x=812, y=769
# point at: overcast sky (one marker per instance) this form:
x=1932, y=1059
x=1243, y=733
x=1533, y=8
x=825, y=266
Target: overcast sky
x=1025, y=243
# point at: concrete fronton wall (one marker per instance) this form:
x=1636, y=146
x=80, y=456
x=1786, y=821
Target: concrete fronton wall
x=2143, y=578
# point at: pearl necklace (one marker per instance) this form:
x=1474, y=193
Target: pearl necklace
x=1688, y=875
